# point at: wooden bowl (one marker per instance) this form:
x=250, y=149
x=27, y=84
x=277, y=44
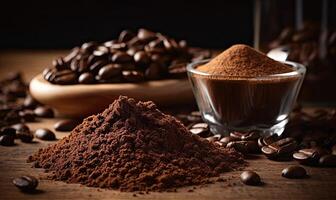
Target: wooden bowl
x=83, y=100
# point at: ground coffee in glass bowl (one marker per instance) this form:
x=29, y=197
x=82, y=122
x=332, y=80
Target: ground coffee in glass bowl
x=242, y=89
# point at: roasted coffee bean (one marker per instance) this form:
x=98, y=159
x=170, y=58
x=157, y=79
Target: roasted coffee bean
x=127, y=66
x=200, y=129
x=146, y=35
x=132, y=50
x=100, y=52
x=121, y=57
x=133, y=76
x=245, y=147
x=86, y=78
x=27, y=115
x=26, y=183
x=170, y=44
x=126, y=36
x=8, y=131
x=250, y=178
x=154, y=72
x=109, y=71
x=264, y=141
x=64, y=77
x=45, y=134
x=59, y=64
x=97, y=65
x=309, y=156
x=23, y=132
x=214, y=138
x=227, y=139
x=30, y=102
x=44, y=112
x=74, y=52
x=281, y=149
x=252, y=135
x=116, y=79
x=65, y=125
x=294, y=172
x=328, y=161
x=141, y=58
x=88, y=47
x=6, y=140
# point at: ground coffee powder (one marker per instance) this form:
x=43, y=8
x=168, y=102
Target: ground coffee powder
x=243, y=61
x=133, y=146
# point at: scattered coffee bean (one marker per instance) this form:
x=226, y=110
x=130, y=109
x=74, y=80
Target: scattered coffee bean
x=86, y=78
x=43, y=111
x=133, y=76
x=66, y=125
x=245, y=147
x=200, y=129
x=27, y=115
x=26, y=183
x=294, y=172
x=309, y=156
x=214, y=138
x=45, y=134
x=227, y=139
x=281, y=149
x=195, y=117
x=23, y=133
x=328, y=161
x=7, y=140
x=30, y=102
x=264, y=141
x=250, y=178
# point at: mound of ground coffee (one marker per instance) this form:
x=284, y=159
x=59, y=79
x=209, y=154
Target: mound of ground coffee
x=243, y=61
x=133, y=146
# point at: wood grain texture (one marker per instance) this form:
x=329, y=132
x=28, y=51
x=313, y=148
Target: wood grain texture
x=320, y=185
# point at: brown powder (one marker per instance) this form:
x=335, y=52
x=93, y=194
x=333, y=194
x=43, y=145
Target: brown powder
x=243, y=61
x=133, y=146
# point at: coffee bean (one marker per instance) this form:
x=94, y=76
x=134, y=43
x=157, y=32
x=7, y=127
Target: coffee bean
x=126, y=36
x=23, y=132
x=45, y=134
x=97, y=65
x=30, y=102
x=264, y=141
x=121, y=57
x=309, y=156
x=195, y=117
x=65, y=125
x=43, y=111
x=74, y=52
x=227, y=139
x=133, y=76
x=141, y=58
x=27, y=115
x=88, y=47
x=6, y=140
x=294, y=172
x=109, y=71
x=281, y=149
x=252, y=135
x=146, y=35
x=65, y=77
x=328, y=160
x=245, y=147
x=214, y=138
x=200, y=129
x=59, y=64
x=26, y=183
x=8, y=131
x=250, y=178
x=86, y=78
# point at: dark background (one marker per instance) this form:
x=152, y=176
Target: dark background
x=64, y=24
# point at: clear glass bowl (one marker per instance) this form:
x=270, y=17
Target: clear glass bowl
x=230, y=103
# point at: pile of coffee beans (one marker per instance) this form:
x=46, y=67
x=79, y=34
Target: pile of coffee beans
x=133, y=57
x=17, y=107
x=309, y=138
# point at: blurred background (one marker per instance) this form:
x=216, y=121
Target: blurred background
x=64, y=24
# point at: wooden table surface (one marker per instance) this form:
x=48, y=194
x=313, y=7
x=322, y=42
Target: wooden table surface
x=320, y=185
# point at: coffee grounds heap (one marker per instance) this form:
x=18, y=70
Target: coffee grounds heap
x=132, y=146
x=243, y=61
